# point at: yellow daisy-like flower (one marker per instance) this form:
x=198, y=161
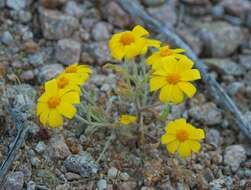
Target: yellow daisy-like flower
x=173, y=78
x=183, y=137
x=55, y=103
x=68, y=81
x=163, y=53
x=127, y=119
x=82, y=72
x=129, y=44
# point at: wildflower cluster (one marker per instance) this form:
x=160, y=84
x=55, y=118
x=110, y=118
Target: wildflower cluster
x=166, y=72
x=171, y=74
x=61, y=94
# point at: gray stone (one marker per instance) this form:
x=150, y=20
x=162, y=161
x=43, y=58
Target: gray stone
x=2, y=3
x=68, y=51
x=213, y=137
x=82, y=164
x=40, y=148
x=7, y=38
x=22, y=16
x=225, y=182
x=48, y=72
x=225, y=66
x=124, y=176
x=216, y=37
x=16, y=4
x=234, y=155
x=116, y=15
x=235, y=87
x=100, y=31
x=102, y=184
x=73, y=9
x=31, y=185
x=236, y=7
x=218, y=11
x=58, y=148
x=207, y=113
x=72, y=176
x=245, y=61
x=52, y=4
x=36, y=59
x=56, y=25
x=35, y=161
x=151, y=3
x=14, y=181
x=165, y=13
x=100, y=51
x=112, y=172
x=27, y=75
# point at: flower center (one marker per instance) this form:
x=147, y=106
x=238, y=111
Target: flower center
x=62, y=82
x=127, y=38
x=165, y=52
x=173, y=78
x=53, y=102
x=71, y=69
x=182, y=135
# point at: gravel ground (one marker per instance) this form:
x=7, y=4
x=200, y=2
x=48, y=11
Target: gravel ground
x=39, y=38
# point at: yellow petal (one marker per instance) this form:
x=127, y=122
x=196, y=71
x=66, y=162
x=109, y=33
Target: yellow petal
x=140, y=31
x=173, y=146
x=157, y=82
x=41, y=107
x=55, y=119
x=181, y=122
x=177, y=95
x=166, y=93
x=184, y=63
x=44, y=117
x=190, y=75
x=184, y=149
x=188, y=88
x=170, y=64
x=166, y=138
x=153, y=59
x=71, y=98
x=179, y=50
x=51, y=87
x=44, y=97
x=194, y=145
x=67, y=110
x=171, y=128
x=153, y=43
x=197, y=134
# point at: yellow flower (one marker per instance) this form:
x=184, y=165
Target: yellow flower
x=68, y=81
x=127, y=119
x=173, y=79
x=81, y=72
x=164, y=52
x=129, y=44
x=183, y=137
x=55, y=103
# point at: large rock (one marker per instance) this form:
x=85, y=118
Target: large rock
x=82, y=164
x=220, y=39
x=16, y=4
x=73, y=9
x=165, y=13
x=56, y=25
x=234, y=155
x=116, y=15
x=236, y=7
x=207, y=113
x=101, y=31
x=48, y=72
x=68, y=51
x=14, y=181
x=58, y=148
x=225, y=66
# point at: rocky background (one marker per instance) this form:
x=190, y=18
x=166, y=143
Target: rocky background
x=38, y=38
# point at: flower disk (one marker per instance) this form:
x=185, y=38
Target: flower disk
x=130, y=44
x=56, y=103
x=173, y=79
x=183, y=137
x=164, y=53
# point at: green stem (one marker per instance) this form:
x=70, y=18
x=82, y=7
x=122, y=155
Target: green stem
x=81, y=119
